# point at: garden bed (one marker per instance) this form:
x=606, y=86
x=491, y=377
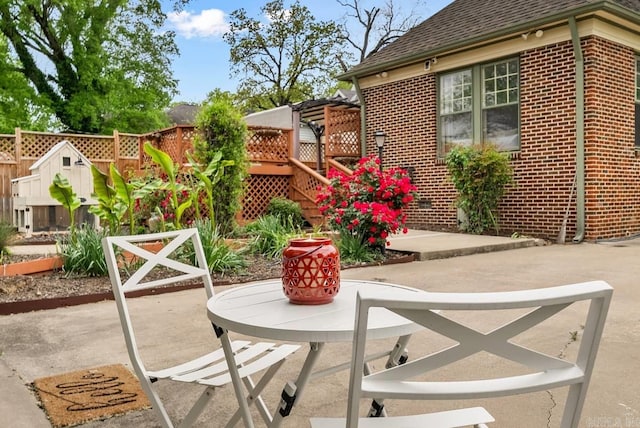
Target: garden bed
x=23, y=293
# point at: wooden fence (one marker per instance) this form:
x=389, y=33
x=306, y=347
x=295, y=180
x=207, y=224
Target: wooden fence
x=269, y=151
x=20, y=151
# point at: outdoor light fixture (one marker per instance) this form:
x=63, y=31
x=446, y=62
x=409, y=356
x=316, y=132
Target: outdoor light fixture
x=79, y=162
x=380, y=137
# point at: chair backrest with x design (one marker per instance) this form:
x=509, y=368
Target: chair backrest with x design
x=133, y=267
x=434, y=310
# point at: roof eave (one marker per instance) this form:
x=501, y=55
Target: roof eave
x=604, y=5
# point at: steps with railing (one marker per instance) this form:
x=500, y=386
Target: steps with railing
x=304, y=189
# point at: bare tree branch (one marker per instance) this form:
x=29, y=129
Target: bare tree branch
x=375, y=27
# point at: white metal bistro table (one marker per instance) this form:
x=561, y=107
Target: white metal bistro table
x=262, y=310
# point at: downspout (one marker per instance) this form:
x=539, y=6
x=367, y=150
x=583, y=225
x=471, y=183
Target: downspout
x=363, y=118
x=580, y=170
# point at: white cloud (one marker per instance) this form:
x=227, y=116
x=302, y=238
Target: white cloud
x=208, y=23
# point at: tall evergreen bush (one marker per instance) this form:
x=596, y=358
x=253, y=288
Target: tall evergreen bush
x=221, y=129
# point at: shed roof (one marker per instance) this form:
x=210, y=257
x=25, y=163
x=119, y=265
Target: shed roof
x=464, y=22
x=53, y=150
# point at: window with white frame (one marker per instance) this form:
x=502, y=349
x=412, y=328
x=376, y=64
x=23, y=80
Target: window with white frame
x=480, y=104
x=638, y=103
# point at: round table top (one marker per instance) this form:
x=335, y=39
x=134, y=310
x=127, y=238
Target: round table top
x=262, y=310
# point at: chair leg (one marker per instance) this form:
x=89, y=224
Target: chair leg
x=256, y=390
x=197, y=408
x=243, y=409
x=156, y=403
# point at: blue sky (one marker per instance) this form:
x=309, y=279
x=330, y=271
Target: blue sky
x=203, y=64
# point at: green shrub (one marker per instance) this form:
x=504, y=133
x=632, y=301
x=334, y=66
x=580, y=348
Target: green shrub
x=353, y=250
x=83, y=254
x=8, y=234
x=269, y=236
x=289, y=212
x=220, y=258
x=480, y=174
x=222, y=129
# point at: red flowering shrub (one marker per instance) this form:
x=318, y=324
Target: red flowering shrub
x=368, y=204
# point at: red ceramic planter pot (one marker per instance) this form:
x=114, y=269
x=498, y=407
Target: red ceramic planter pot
x=310, y=271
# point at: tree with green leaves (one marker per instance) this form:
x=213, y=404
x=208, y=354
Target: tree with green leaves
x=287, y=57
x=96, y=65
x=19, y=102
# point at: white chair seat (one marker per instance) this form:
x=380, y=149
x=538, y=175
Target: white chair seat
x=471, y=389
x=473, y=416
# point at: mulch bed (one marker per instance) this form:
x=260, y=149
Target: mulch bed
x=51, y=290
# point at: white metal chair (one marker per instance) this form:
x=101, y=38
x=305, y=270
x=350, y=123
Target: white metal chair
x=543, y=372
x=133, y=267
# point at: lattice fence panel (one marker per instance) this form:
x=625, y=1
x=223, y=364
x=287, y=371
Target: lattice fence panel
x=309, y=153
x=129, y=146
x=95, y=148
x=7, y=148
x=187, y=141
x=306, y=184
x=269, y=145
x=169, y=144
x=259, y=192
x=35, y=144
x=343, y=127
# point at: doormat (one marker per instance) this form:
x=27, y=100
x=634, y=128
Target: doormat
x=77, y=397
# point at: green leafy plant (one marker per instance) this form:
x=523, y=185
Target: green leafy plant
x=481, y=175
x=208, y=178
x=369, y=204
x=164, y=161
x=114, y=202
x=84, y=254
x=220, y=257
x=61, y=191
x=353, y=250
x=269, y=236
x=286, y=210
x=8, y=234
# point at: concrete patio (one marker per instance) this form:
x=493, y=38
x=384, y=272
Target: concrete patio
x=43, y=343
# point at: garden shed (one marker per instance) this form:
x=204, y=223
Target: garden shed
x=34, y=210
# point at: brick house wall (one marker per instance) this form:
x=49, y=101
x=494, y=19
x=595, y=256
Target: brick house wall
x=544, y=168
x=612, y=179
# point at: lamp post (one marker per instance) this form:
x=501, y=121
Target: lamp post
x=380, y=136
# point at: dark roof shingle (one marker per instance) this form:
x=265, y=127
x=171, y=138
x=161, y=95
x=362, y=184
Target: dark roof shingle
x=466, y=20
